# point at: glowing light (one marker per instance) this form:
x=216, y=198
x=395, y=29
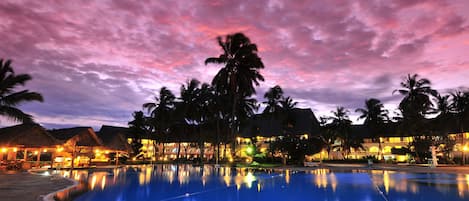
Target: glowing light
x=15, y=149
x=45, y=150
x=93, y=182
x=36, y=152
x=249, y=150
x=60, y=149
x=231, y=160
x=4, y=150
x=248, y=179
x=103, y=182
x=465, y=148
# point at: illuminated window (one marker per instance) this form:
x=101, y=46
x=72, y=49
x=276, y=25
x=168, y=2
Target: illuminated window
x=374, y=149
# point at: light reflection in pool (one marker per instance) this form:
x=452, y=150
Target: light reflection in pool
x=208, y=183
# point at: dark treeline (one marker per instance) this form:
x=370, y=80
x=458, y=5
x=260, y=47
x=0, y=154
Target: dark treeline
x=214, y=112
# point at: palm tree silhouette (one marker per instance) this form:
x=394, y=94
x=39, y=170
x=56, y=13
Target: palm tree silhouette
x=341, y=125
x=139, y=127
x=9, y=98
x=416, y=102
x=240, y=73
x=375, y=118
x=274, y=95
x=160, y=112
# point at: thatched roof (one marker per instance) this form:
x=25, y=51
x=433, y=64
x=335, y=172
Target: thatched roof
x=302, y=121
x=27, y=135
x=115, y=138
x=84, y=136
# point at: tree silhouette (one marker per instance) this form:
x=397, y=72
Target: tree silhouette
x=274, y=95
x=160, y=114
x=375, y=117
x=11, y=99
x=416, y=102
x=241, y=71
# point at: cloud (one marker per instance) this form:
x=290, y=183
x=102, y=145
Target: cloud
x=100, y=60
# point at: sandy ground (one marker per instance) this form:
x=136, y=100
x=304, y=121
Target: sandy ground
x=23, y=186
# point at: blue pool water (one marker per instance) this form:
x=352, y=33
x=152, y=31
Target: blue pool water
x=187, y=183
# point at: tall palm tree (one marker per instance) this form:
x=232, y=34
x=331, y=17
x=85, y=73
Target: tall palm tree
x=460, y=107
x=375, y=118
x=341, y=125
x=139, y=127
x=160, y=112
x=442, y=108
x=273, y=96
x=240, y=73
x=187, y=111
x=416, y=102
x=11, y=99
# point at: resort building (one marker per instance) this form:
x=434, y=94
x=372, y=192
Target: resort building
x=263, y=129
x=29, y=143
x=78, y=146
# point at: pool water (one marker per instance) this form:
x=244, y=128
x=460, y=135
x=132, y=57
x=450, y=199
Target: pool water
x=187, y=183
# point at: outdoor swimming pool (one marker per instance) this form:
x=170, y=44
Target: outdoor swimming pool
x=187, y=183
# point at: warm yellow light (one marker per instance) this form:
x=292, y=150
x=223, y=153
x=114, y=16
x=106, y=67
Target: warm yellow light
x=465, y=148
x=96, y=151
x=15, y=149
x=231, y=160
x=4, y=150
x=45, y=150
x=134, y=159
x=60, y=149
x=36, y=152
x=106, y=152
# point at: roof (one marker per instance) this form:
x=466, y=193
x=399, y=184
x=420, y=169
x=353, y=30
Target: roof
x=115, y=137
x=27, y=135
x=302, y=121
x=84, y=136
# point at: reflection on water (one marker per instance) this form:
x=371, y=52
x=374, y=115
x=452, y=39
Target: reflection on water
x=172, y=182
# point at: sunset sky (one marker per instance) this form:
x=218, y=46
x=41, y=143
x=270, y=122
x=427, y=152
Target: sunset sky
x=95, y=62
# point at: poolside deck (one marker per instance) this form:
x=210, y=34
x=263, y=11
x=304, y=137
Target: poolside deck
x=25, y=186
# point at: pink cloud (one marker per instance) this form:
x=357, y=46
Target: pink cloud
x=116, y=54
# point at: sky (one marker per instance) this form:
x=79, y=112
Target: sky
x=95, y=62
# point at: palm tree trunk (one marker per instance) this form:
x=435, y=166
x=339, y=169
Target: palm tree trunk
x=218, y=142
x=179, y=151
x=233, y=122
x=201, y=145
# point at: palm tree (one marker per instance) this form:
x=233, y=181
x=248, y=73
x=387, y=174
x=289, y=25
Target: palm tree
x=11, y=99
x=186, y=109
x=375, y=117
x=460, y=107
x=416, y=102
x=273, y=96
x=139, y=127
x=442, y=108
x=160, y=112
x=341, y=125
x=240, y=73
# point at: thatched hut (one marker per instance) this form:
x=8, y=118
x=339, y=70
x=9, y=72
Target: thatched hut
x=79, y=145
x=26, y=141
